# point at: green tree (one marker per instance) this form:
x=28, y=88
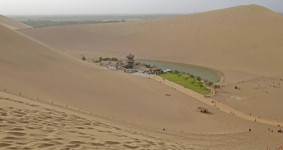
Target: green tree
x=198, y=78
x=83, y=58
x=128, y=66
x=176, y=72
x=205, y=81
x=114, y=59
x=216, y=86
x=100, y=59
x=210, y=83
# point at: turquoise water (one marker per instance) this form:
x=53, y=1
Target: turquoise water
x=204, y=73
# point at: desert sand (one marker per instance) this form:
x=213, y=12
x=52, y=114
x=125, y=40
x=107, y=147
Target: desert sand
x=261, y=96
x=243, y=42
x=51, y=100
x=221, y=106
x=31, y=124
x=27, y=124
x=33, y=70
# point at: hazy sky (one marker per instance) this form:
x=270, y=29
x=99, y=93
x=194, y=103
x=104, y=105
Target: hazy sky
x=24, y=7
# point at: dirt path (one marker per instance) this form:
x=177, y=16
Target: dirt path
x=218, y=105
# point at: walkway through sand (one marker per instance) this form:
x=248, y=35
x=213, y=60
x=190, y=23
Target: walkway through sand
x=218, y=105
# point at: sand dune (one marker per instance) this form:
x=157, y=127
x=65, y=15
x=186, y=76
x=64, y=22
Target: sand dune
x=244, y=39
x=12, y=23
x=27, y=124
x=74, y=104
x=244, y=43
x=226, y=108
x=261, y=96
x=30, y=69
x=30, y=124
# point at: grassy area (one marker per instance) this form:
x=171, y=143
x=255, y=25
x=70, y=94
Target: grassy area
x=106, y=59
x=187, y=82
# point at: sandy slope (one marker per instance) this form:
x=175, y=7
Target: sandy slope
x=242, y=39
x=243, y=42
x=261, y=96
x=27, y=124
x=33, y=70
x=12, y=23
x=225, y=108
x=30, y=124
x=30, y=69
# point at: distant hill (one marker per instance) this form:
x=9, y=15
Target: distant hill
x=59, y=20
x=12, y=23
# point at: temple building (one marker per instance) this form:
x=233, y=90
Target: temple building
x=130, y=60
x=129, y=66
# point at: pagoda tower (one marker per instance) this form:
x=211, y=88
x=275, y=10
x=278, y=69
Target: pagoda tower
x=130, y=60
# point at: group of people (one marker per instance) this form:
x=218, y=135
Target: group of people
x=279, y=148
